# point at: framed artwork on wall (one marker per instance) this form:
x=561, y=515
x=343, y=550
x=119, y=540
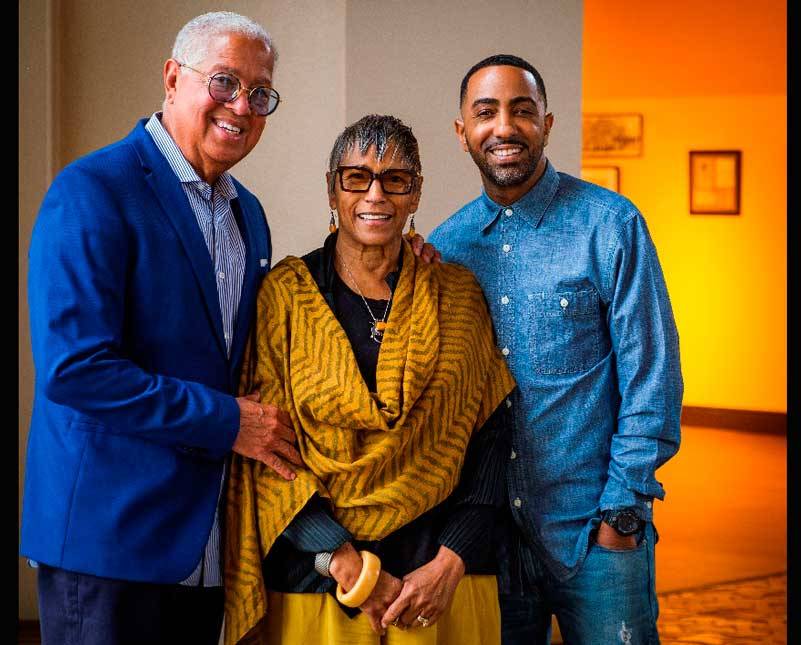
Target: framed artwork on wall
x=715, y=182
x=606, y=176
x=611, y=135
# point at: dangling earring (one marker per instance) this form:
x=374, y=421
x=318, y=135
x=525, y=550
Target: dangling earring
x=332, y=223
x=411, y=232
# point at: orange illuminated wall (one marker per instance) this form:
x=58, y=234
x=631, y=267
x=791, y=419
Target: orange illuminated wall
x=706, y=76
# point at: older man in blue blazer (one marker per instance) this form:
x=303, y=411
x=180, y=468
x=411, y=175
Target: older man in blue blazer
x=144, y=264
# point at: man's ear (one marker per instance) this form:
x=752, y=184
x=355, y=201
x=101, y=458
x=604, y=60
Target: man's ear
x=548, y=126
x=172, y=69
x=458, y=126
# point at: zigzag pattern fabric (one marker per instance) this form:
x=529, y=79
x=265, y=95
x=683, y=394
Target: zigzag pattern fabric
x=382, y=459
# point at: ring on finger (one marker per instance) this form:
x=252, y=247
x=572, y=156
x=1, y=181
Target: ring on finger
x=423, y=620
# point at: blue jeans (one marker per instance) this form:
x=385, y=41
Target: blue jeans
x=79, y=609
x=611, y=599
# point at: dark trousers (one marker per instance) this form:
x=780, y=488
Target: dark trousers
x=79, y=609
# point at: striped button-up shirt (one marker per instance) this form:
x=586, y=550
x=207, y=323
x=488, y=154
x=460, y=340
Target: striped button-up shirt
x=212, y=209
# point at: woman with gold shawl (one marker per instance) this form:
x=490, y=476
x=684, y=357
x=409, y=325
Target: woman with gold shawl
x=389, y=371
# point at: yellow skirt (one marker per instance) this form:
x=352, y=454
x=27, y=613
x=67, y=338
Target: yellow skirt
x=473, y=618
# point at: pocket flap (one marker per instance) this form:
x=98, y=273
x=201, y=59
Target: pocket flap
x=566, y=303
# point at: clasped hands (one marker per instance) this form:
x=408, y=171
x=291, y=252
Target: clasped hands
x=419, y=599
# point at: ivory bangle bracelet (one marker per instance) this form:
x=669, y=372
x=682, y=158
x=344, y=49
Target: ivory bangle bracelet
x=365, y=583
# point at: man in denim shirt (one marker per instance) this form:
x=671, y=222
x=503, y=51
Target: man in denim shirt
x=583, y=316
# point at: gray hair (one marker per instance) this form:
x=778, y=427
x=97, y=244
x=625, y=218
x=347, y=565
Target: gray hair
x=380, y=131
x=192, y=42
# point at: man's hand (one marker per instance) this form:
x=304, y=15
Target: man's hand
x=608, y=538
x=427, y=591
x=425, y=250
x=265, y=434
x=345, y=567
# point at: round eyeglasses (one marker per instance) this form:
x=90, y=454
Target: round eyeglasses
x=225, y=88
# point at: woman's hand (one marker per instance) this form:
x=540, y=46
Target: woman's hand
x=386, y=591
x=345, y=567
x=427, y=591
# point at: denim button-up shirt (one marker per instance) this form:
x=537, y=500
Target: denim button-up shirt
x=583, y=317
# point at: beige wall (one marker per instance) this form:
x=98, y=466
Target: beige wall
x=415, y=74
x=35, y=160
x=109, y=73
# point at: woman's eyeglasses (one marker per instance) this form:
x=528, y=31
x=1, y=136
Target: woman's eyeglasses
x=394, y=181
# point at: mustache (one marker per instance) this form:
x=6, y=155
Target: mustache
x=489, y=145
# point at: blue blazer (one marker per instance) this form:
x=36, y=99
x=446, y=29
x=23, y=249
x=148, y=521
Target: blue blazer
x=134, y=410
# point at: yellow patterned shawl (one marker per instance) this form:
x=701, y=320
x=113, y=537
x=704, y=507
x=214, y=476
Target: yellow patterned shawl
x=382, y=459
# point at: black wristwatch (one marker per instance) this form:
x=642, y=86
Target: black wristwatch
x=625, y=521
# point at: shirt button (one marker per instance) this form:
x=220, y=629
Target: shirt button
x=513, y=455
x=508, y=403
x=508, y=212
x=564, y=303
x=227, y=336
x=505, y=351
x=518, y=503
x=506, y=248
x=648, y=504
x=505, y=300
x=222, y=275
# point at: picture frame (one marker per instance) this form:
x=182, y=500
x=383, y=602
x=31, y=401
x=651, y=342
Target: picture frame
x=605, y=176
x=612, y=134
x=715, y=182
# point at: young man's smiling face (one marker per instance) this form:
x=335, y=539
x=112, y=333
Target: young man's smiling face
x=504, y=127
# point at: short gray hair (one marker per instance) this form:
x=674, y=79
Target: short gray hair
x=381, y=131
x=192, y=42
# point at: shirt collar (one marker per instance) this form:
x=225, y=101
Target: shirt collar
x=181, y=167
x=532, y=205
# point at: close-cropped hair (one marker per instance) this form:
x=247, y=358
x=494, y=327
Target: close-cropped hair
x=192, y=42
x=380, y=131
x=504, y=59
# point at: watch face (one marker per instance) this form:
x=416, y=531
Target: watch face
x=627, y=523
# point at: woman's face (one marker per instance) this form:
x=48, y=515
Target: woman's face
x=374, y=217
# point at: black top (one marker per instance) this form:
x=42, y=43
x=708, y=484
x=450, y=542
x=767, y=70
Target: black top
x=465, y=522
x=350, y=310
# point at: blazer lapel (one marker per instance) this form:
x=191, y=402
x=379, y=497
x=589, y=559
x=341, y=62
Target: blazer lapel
x=174, y=204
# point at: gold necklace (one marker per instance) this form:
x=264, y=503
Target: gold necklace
x=378, y=326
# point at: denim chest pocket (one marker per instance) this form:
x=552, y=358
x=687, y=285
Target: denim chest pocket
x=567, y=331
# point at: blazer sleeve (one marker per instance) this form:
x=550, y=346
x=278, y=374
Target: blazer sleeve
x=79, y=255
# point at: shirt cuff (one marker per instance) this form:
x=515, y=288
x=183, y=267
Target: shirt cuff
x=465, y=532
x=616, y=497
x=314, y=529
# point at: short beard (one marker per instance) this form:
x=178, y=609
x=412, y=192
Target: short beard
x=504, y=176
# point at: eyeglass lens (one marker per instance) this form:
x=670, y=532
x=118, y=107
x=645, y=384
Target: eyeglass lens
x=224, y=88
x=393, y=181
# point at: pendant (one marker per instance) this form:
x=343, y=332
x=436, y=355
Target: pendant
x=376, y=334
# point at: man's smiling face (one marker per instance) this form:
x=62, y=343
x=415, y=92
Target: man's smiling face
x=215, y=136
x=504, y=126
